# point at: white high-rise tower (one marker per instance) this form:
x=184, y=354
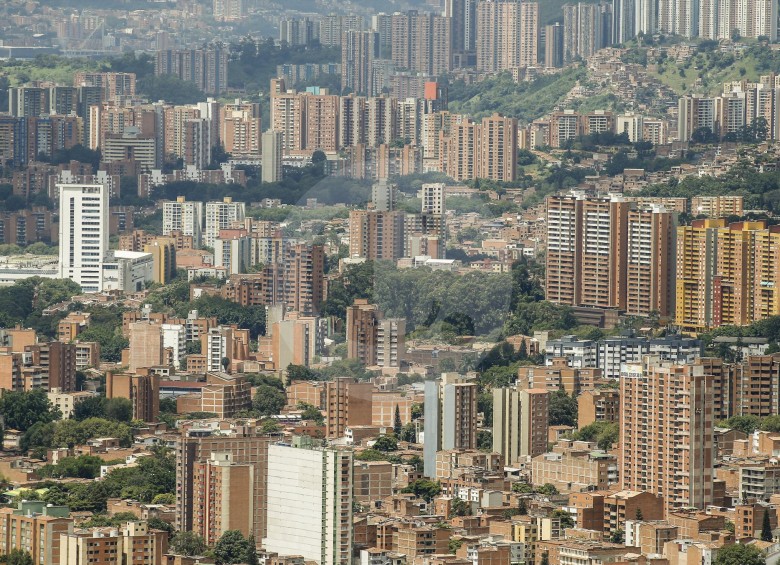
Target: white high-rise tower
x=83, y=233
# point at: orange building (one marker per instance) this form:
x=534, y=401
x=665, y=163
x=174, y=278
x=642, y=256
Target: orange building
x=134, y=543
x=347, y=403
x=34, y=527
x=143, y=391
x=223, y=497
x=666, y=430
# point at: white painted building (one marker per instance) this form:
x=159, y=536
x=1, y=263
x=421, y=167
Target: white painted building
x=83, y=234
x=219, y=216
x=127, y=271
x=175, y=337
x=310, y=502
x=184, y=216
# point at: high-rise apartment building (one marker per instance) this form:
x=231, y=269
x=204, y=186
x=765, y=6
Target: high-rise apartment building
x=450, y=417
x=698, y=113
x=726, y=274
x=357, y=50
x=582, y=31
x=480, y=150
x=520, y=422
x=143, y=392
x=273, y=142
x=553, y=46
x=113, y=85
x=240, y=129
x=230, y=10
x=507, y=34
x=146, y=345
x=372, y=338
x=298, y=31
x=83, y=234
x=135, y=542
x=185, y=217
x=220, y=216
x=35, y=528
x=310, y=502
x=207, y=68
x=196, y=445
x=421, y=42
x=57, y=362
x=333, y=26
x=463, y=29
x=376, y=235
x=347, y=403
x=224, y=342
x=498, y=151
x=304, y=285
x=223, y=492
x=605, y=253
x=666, y=432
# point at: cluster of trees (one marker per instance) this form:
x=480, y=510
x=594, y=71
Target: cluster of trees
x=760, y=190
x=603, y=433
x=563, y=409
x=525, y=101
x=232, y=547
x=226, y=312
x=23, y=303
x=254, y=63
x=749, y=424
x=298, y=184
x=37, y=248
x=105, y=327
x=68, y=433
x=81, y=467
x=343, y=368
x=152, y=476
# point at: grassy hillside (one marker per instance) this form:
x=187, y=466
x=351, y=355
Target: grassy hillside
x=526, y=101
x=705, y=72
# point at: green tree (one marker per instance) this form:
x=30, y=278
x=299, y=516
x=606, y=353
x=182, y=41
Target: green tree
x=92, y=407
x=21, y=410
x=485, y=440
x=545, y=559
x=425, y=489
x=251, y=551
x=454, y=545
x=548, y=489
x=156, y=523
x=638, y=515
x=299, y=373
x=603, y=433
x=460, y=507
x=269, y=400
x=485, y=405
x=118, y=409
x=397, y=426
x=386, y=443
x=562, y=409
x=408, y=433
x=566, y=520
x=311, y=412
x=617, y=536
x=82, y=467
x=18, y=557
x=739, y=554
x=188, y=543
x=231, y=548
x=766, y=527
x=164, y=498
x=746, y=424
x=522, y=507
